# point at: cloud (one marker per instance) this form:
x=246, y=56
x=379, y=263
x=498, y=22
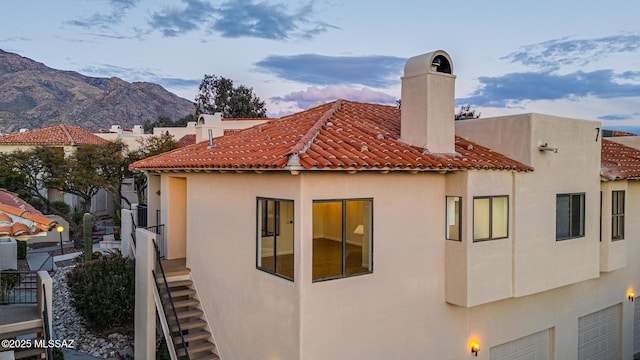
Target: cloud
x=614, y=117
x=242, y=18
x=374, y=71
x=501, y=91
x=315, y=95
x=176, y=21
x=554, y=54
x=105, y=20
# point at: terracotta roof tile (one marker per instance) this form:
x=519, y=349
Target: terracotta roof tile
x=54, y=135
x=619, y=162
x=338, y=135
x=188, y=139
x=19, y=219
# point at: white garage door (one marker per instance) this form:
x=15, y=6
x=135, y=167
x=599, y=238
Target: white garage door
x=532, y=347
x=599, y=335
x=636, y=326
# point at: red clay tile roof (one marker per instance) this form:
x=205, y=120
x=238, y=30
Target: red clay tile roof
x=344, y=135
x=188, y=139
x=54, y=135
x=19, y=219
x=619, y=162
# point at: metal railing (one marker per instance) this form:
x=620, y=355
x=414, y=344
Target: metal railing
x=168, y=306
x=160, y=239
x=133, y=230
x=19, y=287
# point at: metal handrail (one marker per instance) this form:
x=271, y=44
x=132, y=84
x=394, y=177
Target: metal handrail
x=133, y=229
x=45, y=315
x=50, y=257
x=183, y=344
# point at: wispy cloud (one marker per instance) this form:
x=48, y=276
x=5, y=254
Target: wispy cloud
x=105, y=20
x=176, y=21
x=554, y=54
x=511, y=88
x=615, y=117
x=242, y=18
x=375, y=71
x=315, y=95
x=139, y=74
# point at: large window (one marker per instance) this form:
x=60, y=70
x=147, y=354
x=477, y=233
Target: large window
x=569, y=216
x=454, y=217
x=275, y=237
x=490, y=217
x=617, y=215
x=342, y=238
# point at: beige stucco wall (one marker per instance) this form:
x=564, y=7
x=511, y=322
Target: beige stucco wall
x=398, y=311
x=540, y=262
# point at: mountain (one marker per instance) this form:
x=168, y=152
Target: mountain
x=33, y=95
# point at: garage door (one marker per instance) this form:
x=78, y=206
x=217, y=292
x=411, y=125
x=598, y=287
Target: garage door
x=599, y=335
x=636, y=326
x=531, y=347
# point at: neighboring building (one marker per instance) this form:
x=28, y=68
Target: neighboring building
x=68, y=138
x=364, y=231
x=199, y=131
x=130, y=137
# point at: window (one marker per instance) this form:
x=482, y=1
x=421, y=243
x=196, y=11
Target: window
x=454, y=217
x=490, y=217
x=275, y=237
x=569, y=216
x=617, y=215
x=342, y=238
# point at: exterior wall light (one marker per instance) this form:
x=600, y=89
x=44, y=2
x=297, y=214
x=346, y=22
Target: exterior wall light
x=475, y=348
x=631, y=295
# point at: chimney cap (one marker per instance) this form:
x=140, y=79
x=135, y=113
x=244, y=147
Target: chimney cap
x=434, y=62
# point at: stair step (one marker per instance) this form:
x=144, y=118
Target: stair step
x=209, y=356
x=190, y=325
x=177, y=283
x=9, y=335
x=193, y=336
x=189, y=313
x=183, y=292
x=28, y=353
x=197, y=348
x=186, y=303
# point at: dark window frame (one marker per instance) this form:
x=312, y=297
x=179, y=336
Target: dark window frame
x=261, y=231
x=617, y=232
x=581, y=232
x=491, y=237
x=344, y=239
x=446, y=220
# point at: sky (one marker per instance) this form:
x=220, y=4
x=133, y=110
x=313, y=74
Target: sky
x=578, y=59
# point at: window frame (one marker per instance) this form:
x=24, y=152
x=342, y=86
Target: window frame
x=582, y=232
x=259, y=234
x=343, y=274
x=617, y=232
x=459, y=217
x=491, y=237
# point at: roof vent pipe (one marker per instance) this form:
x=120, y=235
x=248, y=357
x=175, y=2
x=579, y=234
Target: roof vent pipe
x=211, y=144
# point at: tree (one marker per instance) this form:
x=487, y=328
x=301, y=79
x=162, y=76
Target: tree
x=163, y=121
x=150, y=146
x=217, y=94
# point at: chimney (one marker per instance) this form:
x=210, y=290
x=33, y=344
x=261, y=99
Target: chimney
x=428, y=107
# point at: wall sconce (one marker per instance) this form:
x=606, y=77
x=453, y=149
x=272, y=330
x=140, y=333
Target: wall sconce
x=475, y=348
x=631, y=295
x=546, y=147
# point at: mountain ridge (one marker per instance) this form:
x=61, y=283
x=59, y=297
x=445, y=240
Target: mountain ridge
x=33, y=95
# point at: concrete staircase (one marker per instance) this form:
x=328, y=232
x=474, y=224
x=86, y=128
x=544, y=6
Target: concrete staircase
x=31, y=331
x=197, y=341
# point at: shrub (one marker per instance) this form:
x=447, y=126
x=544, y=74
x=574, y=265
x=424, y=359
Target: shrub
x=103, y=292
x=22, y=250
x=8, y=278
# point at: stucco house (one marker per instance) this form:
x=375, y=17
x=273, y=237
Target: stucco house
x=364, y=231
